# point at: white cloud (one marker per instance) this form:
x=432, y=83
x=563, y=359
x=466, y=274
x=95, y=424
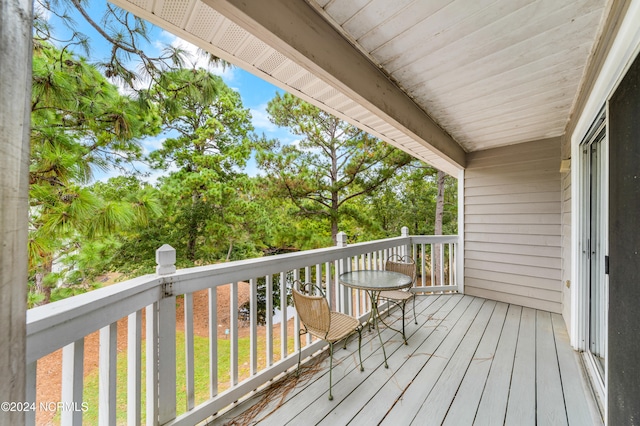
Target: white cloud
x=260, y=119
x=151, y=144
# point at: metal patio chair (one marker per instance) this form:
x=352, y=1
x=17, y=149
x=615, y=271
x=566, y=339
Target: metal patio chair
x=319, y=321
x=405, y=265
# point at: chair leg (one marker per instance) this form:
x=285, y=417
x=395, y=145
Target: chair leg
x=360, y=348
x=404, y=336
x=330, y=369
x=299, y=356
x=415, y=319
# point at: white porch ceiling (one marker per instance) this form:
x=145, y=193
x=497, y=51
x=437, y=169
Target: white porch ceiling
x=478, y=74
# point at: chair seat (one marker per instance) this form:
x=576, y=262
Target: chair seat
x=341, y=326
x=396, y=294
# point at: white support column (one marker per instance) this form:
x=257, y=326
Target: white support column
x=15, y=95
x=459, y=247
x=166, y=259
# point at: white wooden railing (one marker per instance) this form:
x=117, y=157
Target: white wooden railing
x=66, y=323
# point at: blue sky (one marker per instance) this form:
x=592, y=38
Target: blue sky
x=255, y=92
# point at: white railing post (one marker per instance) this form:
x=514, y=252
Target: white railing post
x=341, y=239
x=343, y=266
x=166, y=259
x=404, y=232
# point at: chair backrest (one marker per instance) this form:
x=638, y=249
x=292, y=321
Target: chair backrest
x=403, y=264
x=313, y=310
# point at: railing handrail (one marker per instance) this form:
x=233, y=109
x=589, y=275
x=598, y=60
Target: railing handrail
x=90, y=311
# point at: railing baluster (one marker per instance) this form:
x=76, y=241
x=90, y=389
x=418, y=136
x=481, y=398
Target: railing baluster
x=451, y=281
x=233, y=325
x=433, y=269
x=423, y=265
x=189, y=351
x=283, y=311
x=107, y=375
x=269, y=319
x=134, y=368
x=72, y=382
x=329, y=288
x=296, y=321
x=442, y=263
x=151, y=313
x=167, y=359
x=253, y=325
x=213, y=341
x=32, y=373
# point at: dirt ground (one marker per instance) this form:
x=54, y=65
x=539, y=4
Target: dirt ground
x=50, y=367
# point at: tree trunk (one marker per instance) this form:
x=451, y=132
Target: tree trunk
x=436, y=257
x=192, y=232
x=229, y=251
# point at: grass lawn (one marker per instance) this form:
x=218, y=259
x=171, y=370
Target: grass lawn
x=201, y=367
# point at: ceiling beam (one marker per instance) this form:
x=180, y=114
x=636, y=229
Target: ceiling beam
x=297, y=31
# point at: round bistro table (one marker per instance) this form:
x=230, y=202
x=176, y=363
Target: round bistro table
x=374, y=282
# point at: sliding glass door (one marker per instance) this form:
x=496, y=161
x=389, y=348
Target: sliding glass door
x=595, y=244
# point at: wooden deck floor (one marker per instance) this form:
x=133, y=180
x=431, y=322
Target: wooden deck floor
x=469, y=361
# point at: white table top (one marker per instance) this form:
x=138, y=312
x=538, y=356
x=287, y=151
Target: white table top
x=374, y=280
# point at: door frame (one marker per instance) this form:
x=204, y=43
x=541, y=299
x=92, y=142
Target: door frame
x=619, y=58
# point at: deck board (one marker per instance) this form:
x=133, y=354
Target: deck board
x=550, y=397
x=471, y=387
x=437, y=327
x=469, y=361
x=521, y=408
x=404, y=410
x=435, y=407
x=493, y=404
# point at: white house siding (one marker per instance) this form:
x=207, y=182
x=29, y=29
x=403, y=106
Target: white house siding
x=513, y=225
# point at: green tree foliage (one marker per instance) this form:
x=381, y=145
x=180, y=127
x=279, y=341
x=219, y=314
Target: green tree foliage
x=333, y=164
x=408, y=199
x=206, y=188
x=79, y=122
